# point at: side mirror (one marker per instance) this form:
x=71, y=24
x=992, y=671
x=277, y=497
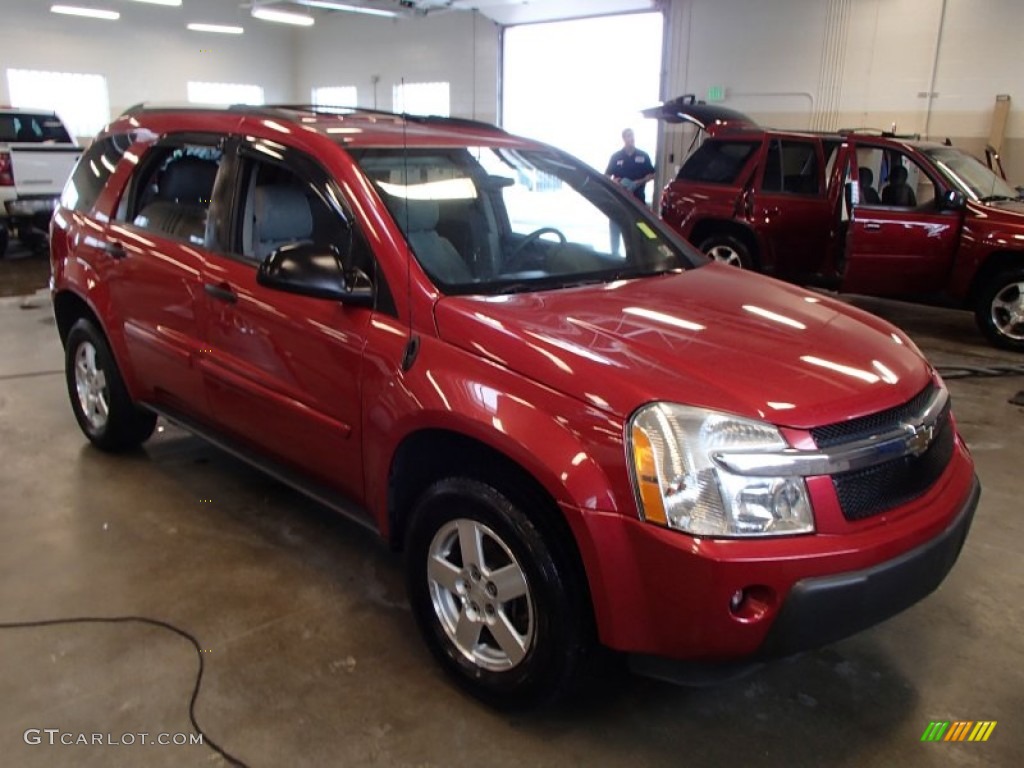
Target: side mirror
x=315, y=270
x=954, y=200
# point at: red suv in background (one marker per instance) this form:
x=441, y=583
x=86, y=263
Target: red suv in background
x=859, y=212
x=420, y=322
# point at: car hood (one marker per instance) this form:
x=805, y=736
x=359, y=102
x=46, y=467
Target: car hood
x=712, y=336
x=1002, y=212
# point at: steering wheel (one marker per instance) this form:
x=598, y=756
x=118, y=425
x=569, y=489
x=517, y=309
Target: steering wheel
x=516, y=256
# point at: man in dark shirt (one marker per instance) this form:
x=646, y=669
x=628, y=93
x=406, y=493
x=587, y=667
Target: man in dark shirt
x=632, y=168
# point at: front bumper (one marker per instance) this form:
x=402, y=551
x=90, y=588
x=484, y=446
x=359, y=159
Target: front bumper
x=660, y=593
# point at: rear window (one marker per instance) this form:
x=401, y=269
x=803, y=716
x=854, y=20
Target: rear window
x=717, y=162
x=33, y=128
x=93, y=170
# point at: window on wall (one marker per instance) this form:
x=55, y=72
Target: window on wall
x=422, y=98
x=81, y=100
x=336, y=96
x=224, y=93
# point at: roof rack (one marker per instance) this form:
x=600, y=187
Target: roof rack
x=317, y=109
x=880, y=133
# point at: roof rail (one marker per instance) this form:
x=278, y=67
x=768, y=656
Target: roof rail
x=333, y=109
x=880, y=133
x=317, y=109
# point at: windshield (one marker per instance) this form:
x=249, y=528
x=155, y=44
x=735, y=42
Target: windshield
x=491, y=220
x=970, y=175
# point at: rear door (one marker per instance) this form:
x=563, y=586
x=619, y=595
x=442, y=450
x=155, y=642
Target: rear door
x=791, y=207
x=282, y=371
x=156, y=246
x=900, y=240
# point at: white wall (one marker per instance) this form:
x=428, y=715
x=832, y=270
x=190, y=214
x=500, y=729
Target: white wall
x=147, y=55
x=827, y=64
x=348, y=49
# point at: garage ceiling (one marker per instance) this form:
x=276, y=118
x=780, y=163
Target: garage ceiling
x=501, y=11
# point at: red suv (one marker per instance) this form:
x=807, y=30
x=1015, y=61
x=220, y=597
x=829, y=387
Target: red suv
x=859, y=212
x=420, y=322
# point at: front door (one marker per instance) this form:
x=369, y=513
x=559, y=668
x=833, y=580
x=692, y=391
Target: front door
x=900, y=241
x=282, y=371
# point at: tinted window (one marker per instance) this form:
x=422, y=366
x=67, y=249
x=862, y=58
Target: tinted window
x=34, y=128
x=791, y=166
x=170, y=193
x=717, y=162
x=93, y=171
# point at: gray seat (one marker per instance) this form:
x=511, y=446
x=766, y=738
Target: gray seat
x=898, y=192
x=281, y=215
x=182, y=200
x=435, y=253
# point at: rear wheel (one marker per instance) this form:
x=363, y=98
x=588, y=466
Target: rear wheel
x=102, y=406
x=728, y=250
x=1000, y=310
x=494, y=602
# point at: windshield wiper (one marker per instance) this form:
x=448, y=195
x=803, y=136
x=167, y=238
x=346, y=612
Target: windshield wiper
x=998, y=199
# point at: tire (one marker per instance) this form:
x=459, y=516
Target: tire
x=518, y=641
x=999, y=311
x=727, y=249
x=99, y=399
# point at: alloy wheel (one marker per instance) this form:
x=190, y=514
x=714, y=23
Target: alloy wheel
x=91, y=386
x=726, y=255
x=1007, y=311
x=481, y=595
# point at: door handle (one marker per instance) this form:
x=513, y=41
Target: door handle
x=221, y=292
x=872, y=226
x=115, y=250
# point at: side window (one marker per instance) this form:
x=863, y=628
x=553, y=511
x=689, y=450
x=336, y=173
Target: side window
x=93, y=171
x=792, y=167
x=891, y=179
x=717, y=162
x=170, y=192
x=279, y=207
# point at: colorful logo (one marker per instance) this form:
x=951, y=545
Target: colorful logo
x=959, y=730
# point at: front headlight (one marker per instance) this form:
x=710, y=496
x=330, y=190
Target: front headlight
x=679, y=485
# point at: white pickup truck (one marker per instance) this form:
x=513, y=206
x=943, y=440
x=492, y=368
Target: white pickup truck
x=37, y=156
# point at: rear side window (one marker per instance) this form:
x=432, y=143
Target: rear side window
x=38, y=129
x=93, y=171
x=170, y=192
x=717, y=162
x=792, y=167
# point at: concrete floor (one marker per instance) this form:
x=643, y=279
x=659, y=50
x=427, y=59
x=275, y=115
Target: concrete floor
x=313, y=658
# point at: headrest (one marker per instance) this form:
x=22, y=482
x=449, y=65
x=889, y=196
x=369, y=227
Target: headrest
x=282, y=214
x=188, y=180
x=417, y=215
x=866, y=176
x=897, y=175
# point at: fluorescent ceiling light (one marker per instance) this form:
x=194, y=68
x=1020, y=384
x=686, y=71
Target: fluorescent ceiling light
x=160, y=2
x=331, y=6
x=219, y=28
x=90, y=13
x=283, y=17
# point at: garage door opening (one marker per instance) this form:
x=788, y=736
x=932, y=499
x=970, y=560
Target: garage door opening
x=577, y=84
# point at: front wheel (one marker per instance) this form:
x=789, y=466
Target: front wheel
x=494, y=603
x=101, y=403
x=727, y=249
x=999, y=311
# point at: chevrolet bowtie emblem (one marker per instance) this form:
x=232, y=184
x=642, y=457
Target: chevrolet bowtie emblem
x=919, y=438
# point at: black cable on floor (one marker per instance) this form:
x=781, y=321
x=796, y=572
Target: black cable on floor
x=155, y=623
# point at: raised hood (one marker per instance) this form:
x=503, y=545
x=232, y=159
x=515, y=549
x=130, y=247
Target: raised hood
x=713, y=336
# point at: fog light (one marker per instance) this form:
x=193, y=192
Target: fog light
x=753, y=603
